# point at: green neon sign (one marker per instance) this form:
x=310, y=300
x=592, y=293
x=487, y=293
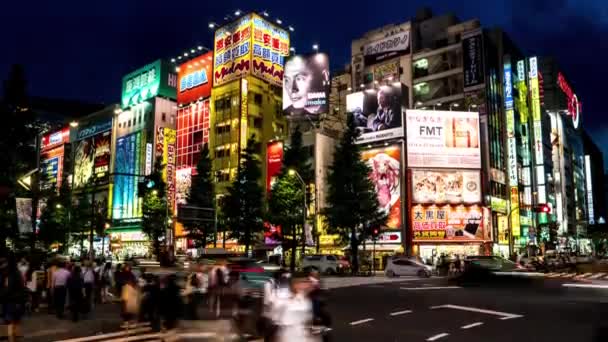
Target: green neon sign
x=155, y=79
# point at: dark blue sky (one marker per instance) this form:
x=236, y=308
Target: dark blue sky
x=81, y=49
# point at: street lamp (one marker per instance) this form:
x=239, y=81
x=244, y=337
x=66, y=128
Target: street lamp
x=417, y=104
x=315, y=47
x=58, y=206
x=438, y=104
x=154, y=192
x=74, y=124
x=474, y=106
x=293, y=172
x=454, y=105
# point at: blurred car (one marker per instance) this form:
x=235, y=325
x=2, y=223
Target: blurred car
x=246, y=265
x=487, y=269
x=406, y=267
x=323, y=263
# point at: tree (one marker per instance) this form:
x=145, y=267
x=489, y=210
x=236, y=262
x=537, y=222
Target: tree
x=285, y=205
x=55, y=218
x=154, y=207
x=201, y=195
x=80, y=220
x=352, y=202
x=242, y=206
x=17, y=149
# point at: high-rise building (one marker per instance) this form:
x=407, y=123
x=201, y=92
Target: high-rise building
x=594, y=179
x=142, y=130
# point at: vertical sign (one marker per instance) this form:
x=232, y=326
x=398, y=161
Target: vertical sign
x=169, y=161
x=274, y=162
x=511, y=147
x=588, y=181
x=243, y=136
x=472, y=60
x=537, y=129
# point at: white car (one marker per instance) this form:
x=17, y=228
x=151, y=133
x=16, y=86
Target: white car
x=324, y=263
x=407, y=267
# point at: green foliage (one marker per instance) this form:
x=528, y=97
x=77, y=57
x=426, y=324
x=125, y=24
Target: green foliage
x=54, y=219
x=352, y=202
x=155, y=208
x=201, y=195
x=242, y=206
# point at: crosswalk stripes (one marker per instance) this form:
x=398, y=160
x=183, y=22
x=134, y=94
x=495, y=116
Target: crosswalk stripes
x=580, y=276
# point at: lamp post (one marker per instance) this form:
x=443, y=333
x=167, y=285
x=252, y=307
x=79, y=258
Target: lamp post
x=293, y=172
x=454, y=105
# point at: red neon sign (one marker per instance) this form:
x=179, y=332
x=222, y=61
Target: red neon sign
x=574, y=105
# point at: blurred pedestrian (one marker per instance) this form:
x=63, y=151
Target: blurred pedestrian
x=268, y=323
x=218, y=280
x=75, y=286
x=50, y=299
x=171, y=302
x=23, y=266
x=60, y=280
x=13, y=296
x=295, y=315
x=130, y=302
x=150, y=301
x=31, y=281
x=88, y=277
x=196, y=289
x=106, y=282
x=118, y=281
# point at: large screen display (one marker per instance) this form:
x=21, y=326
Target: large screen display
x=306, y=85
x=453, y=186
x=128, y=162
x=385, y=173
x=448, y=223
x=377, y=112
x=443, y=139
x=194, y=79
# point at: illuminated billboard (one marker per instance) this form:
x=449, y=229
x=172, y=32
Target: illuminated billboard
x=443, y=139
x=127, y=164
x=192, y=132
x=306, y=85
x=378, y=113
x=448, y=223
x=385, y=167
x=92, y=154
x=574, y=105
x=165, y=147
x=453, y=186
x=396, y=44
x=52, y=158
x=57, y=138
x=511, y=146
x=194, y=79
x=274, y=162
x=249, y=46
x=155, y=79
x=537, y=129
x=183, y=182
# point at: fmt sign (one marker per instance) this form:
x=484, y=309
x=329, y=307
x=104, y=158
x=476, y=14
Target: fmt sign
x=574, y=106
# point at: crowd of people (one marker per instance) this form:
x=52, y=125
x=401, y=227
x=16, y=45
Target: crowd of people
x=286, y=309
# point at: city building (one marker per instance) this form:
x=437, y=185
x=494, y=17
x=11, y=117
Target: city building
x=341, y=86
x=142, y=130
x=595, y=184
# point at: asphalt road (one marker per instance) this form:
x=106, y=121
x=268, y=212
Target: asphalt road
x=435, y=310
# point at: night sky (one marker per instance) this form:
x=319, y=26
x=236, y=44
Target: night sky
x=81, y=49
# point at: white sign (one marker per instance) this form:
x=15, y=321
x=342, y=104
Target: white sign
x=449, y=186
x=148, y=159
x=443, y=139
x=387, y=238
x=590, y=211
x=387, y=47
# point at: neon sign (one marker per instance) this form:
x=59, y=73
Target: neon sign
x=574, y=106
x=193, y=80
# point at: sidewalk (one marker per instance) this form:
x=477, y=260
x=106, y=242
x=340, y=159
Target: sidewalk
x=339, y=282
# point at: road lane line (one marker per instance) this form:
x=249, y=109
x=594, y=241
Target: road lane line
x=109, y=335
x=197, y=335
x=436, y=337
x=597, y=275
x=510, y=317
x=472, y=325
x=397, y=313
x=430, y=288
x=137, y=337
x=588, y=286
x=361, y=321
x=505, y=315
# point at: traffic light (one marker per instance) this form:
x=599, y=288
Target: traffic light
x=375, y=233
x=543, y=208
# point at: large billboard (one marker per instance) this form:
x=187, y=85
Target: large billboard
x=51, y=168
x=306, y=85
x=127, y=164
x=443, y=139
x=377, y=113
x=385, y=174
x=392, y=45
x=274, y=162
x=448, y=223
x=194, y=79
x=92, y=155
x=249, y=45
x=446, y=186
x=155, y=79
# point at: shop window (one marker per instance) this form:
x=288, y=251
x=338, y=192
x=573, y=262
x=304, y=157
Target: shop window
x=164, y=117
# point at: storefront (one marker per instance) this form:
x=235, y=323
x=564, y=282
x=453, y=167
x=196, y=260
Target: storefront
x=129, y=243
x=330, y=244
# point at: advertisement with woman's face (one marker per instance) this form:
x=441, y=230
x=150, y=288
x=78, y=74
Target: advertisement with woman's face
x=306, y=85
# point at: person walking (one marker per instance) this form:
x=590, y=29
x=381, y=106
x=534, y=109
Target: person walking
x=131, y=301
x=51, y=268
x=295, y=314
x=88, y=277
x=218, y=280
x=60, y=280
x=75, y=286
x=196, y=288
x=150, y=300
x=171, y=302
x=106, y=282
x=31, y=282
x=13, y=296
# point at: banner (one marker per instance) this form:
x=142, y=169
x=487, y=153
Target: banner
x=385, y=166
x=306, y=85
x=24, y=215
x=274, y=162
x=472, y=60
x=377, y=112
x=448, y=223
x=396, y=44
x=443, y=139
x=183, y=182
x=454, y=187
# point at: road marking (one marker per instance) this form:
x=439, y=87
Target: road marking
x=436, y=337
x=597, y=275
x=361, y=321
x=197, y=335
x=109, y=335
x=137, y=338
x=134, y=325
x=430, y=288
x=472, y=325
x=41, y=333
x=504, y=315
x=589, y=286
x=397, y=313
